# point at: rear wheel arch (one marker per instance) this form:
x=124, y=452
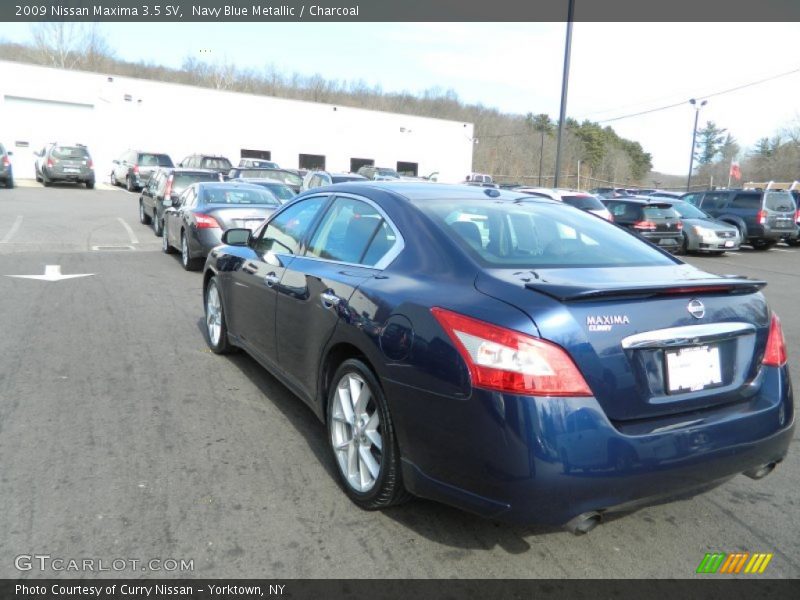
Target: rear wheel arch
x=335, y=356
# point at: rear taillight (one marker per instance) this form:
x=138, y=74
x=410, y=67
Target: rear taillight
x=168, y=188
x=90, y=164
x=6, y=161
x=645, y=225
x=775, y=354
x=136, y=169
x=49, y=164
x=762, y=217
x=797, y=216
x=205, y=221
x=508, y=361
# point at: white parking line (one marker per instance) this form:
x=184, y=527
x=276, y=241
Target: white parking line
x=782, y=250
x=12, y=231
x=131, y=235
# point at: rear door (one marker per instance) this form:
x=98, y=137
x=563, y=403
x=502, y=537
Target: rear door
x=349, y=246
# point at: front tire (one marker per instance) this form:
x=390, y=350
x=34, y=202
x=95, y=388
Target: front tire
x=144, y=218
x=362, y=439
x=165, y=246
x=216, y=323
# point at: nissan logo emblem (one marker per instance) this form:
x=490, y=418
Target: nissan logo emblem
x=696, y=309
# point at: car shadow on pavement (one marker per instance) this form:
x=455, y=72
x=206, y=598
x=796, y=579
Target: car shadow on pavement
x=431, y=520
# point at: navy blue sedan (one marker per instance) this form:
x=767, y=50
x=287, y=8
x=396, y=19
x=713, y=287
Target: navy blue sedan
x=502, y=353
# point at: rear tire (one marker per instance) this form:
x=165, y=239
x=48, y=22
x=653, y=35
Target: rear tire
x=10, y=183
x=362, y=440
x=90, y=184
x=188, y=263
x=763, y=245
x=685, y=245
x=113, y=179
x=129, y=184
x=46, y=181
x=158, y=225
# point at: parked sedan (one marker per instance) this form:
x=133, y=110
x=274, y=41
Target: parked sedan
x=293, y=180
x=204, y=210
x=581, y=200
x=455, y=340
x=163, y=189
x=134, y=168
x=315, y=179
x=701, y=232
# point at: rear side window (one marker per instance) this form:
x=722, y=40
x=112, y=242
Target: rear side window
x=528, y=235
x=352, y=232
x=714, y=201
x=154, y=160
x=747, y=201
x=778, y=201
x=69, y=152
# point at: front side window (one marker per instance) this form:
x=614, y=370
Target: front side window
x=352, y=232
x=284, y=234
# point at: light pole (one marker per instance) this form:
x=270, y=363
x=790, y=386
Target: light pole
x=697, y=108
x=564, y=86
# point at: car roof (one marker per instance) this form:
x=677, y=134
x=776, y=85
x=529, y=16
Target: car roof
x=228, y=184
x=412, y=190
x=261, y=180
x=180, y=170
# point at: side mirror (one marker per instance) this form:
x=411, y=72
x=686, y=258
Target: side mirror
x=236, y=237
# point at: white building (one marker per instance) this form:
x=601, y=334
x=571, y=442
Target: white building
x=111, y=114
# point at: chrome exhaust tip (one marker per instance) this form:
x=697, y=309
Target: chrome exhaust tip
x=761, y=472
x=583, y=523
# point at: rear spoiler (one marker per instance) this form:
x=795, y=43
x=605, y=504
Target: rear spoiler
x=736, y=285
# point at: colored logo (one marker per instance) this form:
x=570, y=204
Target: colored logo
x=734, y=563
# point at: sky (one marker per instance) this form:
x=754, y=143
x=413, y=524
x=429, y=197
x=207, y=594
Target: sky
x=616, y=68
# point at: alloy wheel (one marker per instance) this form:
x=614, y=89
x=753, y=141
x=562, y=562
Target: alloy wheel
x=356, y=433
x=213, y=314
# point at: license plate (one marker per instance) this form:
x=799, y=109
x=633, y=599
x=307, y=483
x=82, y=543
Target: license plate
x=729, y=244
x=71, y=170
x=666, y=242
x=693, y=369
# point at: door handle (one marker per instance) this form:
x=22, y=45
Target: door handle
x=271, y=279
x=329, y=299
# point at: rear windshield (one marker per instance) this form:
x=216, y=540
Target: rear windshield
x=281, y=191
x=343, y=178
x=183, y=180
x=216, y=163
x=388, y=172
x=232, y=195
x=69, y=152
x=254, y=172
x=525, y=234
x=584, y=202
x=155, y=160
x=659, y=212
x=780, y=201
x=282, y=176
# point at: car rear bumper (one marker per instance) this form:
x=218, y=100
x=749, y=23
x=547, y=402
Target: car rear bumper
x=513, y=458
x=57, y=175
x=204, y=240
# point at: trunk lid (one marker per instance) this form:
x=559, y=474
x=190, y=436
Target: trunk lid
x=635, y=335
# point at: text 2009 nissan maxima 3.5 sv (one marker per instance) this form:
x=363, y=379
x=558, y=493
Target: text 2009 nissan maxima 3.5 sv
x=512, y=356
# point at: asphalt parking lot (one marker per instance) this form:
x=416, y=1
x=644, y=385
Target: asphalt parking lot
x=123, y=436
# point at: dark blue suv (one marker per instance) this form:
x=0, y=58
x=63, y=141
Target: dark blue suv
x=506, y=354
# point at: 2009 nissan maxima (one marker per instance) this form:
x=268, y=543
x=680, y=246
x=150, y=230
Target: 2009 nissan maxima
x=508, y=355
